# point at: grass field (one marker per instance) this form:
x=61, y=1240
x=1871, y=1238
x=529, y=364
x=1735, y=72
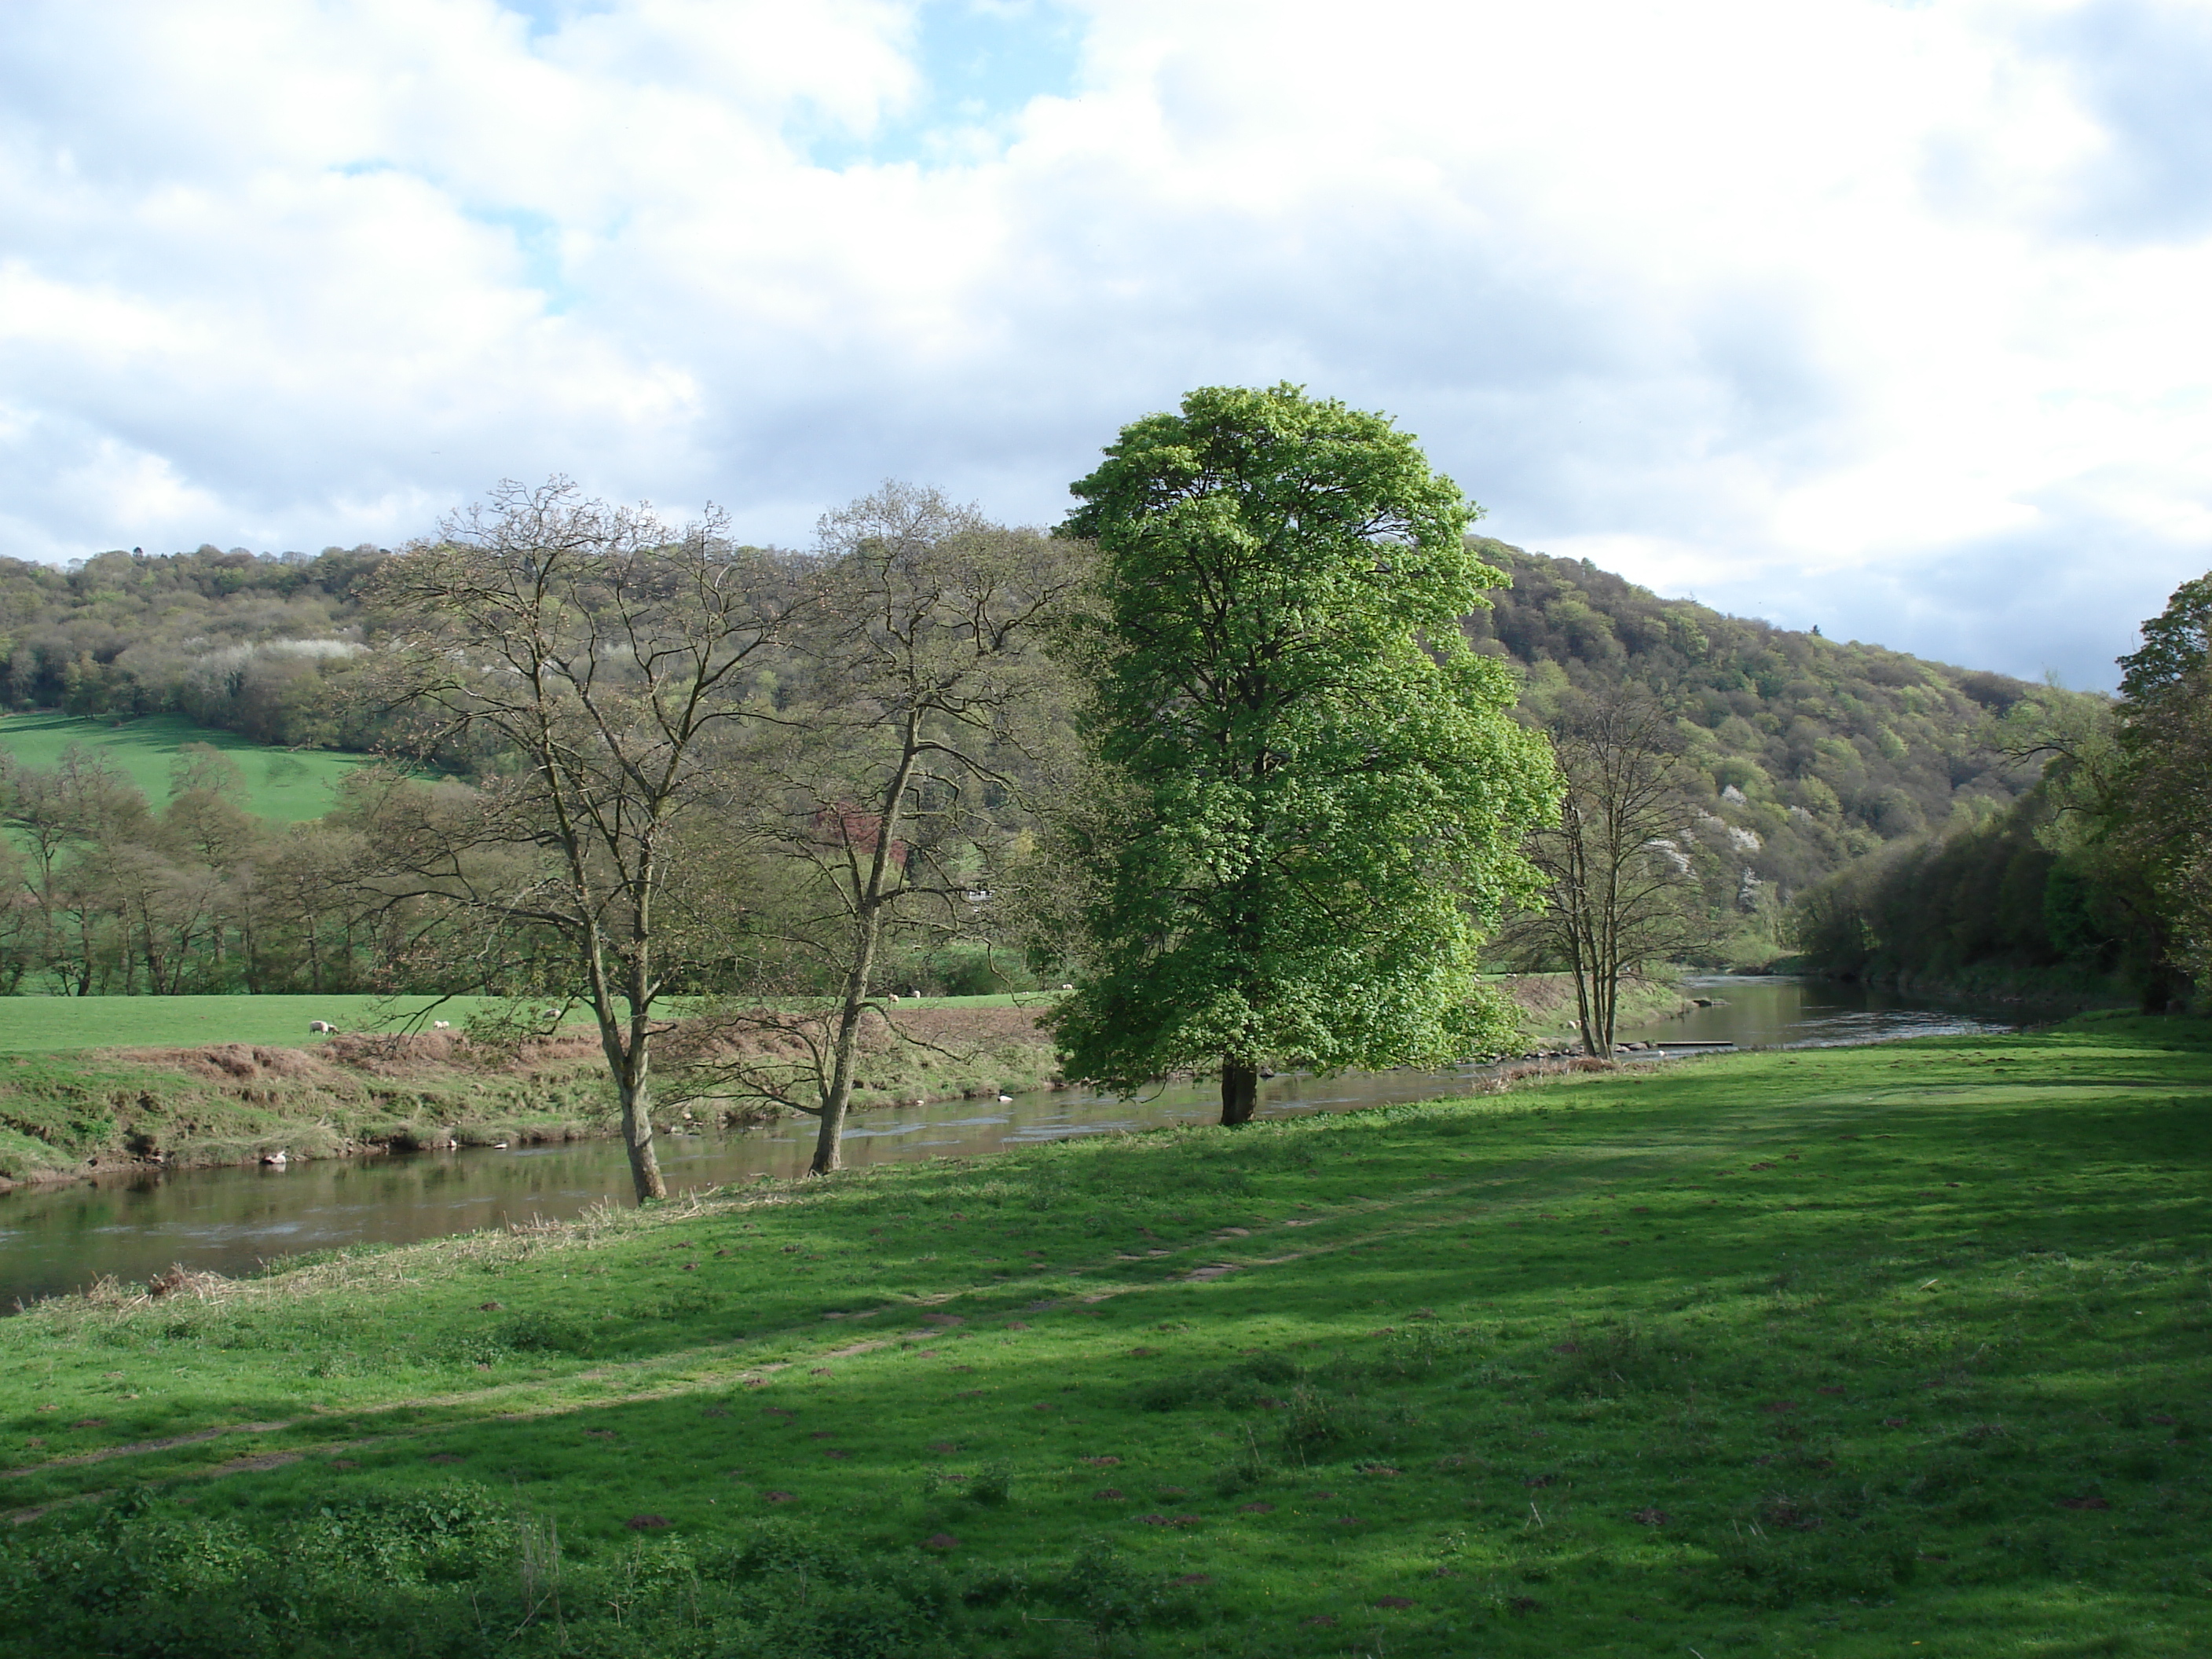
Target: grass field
x=286, y=785
x=45, y=1024
x=1850, y=1352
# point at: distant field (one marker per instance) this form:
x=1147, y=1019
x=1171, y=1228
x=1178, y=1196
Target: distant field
x=287, y=786
x=43, y=1024
x=46, y=1024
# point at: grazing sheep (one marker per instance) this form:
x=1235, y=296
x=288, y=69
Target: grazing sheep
x=442, y=1025
x=321, y=1026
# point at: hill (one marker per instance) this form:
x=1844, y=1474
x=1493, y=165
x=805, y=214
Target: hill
x=1807, y=752
x=255, y=644
x=1813, y=750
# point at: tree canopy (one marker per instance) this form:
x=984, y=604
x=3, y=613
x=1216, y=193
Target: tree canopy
x=1308, y=790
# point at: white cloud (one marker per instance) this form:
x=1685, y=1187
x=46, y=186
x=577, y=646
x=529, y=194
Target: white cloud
x=1881, y=316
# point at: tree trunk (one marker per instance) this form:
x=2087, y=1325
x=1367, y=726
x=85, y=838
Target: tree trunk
x=829, y=1139
x=872, y=893
x=637, y=1136
x=1240, y=1091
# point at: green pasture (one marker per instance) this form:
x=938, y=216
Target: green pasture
x=35, y=1024
x=1881, y=1351
x=288, y=786
x=43, y=1024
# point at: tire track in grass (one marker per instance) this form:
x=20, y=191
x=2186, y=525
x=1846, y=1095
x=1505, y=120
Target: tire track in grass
x=1220, y=1266
x=739, y=1376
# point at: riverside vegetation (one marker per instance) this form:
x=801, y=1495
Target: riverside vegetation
x=65, y=1114
x=1837, y=1352
x=1228, y=754
x=1804, y=752
x=216, y=1080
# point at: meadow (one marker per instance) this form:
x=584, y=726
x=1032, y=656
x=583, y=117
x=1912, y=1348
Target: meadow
x=286, y=785
x=40, y=1025
x=1841, y=1353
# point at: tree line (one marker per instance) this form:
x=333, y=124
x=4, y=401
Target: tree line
x=1241, y=749
x=2100, y=873
x=1822, y=750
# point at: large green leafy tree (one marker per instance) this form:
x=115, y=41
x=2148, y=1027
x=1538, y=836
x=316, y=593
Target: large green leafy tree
x=1309, y=791
x=2158, y=820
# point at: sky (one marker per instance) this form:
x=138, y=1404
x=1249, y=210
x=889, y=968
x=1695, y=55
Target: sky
x=1885, y=316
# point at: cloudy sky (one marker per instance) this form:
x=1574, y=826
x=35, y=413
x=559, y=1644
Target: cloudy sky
x=1890, y=317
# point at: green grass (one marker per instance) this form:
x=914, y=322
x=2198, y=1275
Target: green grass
x=46, y=1024
x=1848, y=1352
x=284, y=785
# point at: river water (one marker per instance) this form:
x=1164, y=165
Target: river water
x=54, y=1240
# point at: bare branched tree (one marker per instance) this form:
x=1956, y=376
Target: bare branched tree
x=1619, y=867
x=920, y=698
x=607, y=658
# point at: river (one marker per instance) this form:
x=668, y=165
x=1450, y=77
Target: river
x=54, y=1240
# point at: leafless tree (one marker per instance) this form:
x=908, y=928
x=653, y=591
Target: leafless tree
x=920, y=699
x=607, y=658
x=1620, y=865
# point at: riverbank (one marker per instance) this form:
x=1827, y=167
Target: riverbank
x=1828, y=1352
x=67, y=1116
x=71, y=1115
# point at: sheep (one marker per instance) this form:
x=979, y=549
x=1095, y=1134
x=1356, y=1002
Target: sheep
x=442, y=1025
x=321, y=1027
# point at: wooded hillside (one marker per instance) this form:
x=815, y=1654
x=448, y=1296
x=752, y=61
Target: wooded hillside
x=1809, y=752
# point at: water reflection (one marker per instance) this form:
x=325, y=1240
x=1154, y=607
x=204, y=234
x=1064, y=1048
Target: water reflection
x=1773, y=1010
x=230, y=1221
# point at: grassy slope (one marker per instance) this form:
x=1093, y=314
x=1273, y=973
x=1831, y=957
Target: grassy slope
x=232, y=1089
x=63, y=1115
x=1829, y=1354
x=143, y=749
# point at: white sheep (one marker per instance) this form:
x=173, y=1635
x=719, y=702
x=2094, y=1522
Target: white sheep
x=442, y=1025
x=320, y=1026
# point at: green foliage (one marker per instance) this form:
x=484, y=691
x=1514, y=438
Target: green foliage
x=2105, y=868
x=2175, y=644
x=1309, y=791
x=1990, y=892
x=263, y=647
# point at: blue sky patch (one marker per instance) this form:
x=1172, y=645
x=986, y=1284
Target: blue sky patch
x=981, y=62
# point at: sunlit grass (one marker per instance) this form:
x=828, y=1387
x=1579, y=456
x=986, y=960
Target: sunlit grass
x=285, y=785
x=1821, y=1353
